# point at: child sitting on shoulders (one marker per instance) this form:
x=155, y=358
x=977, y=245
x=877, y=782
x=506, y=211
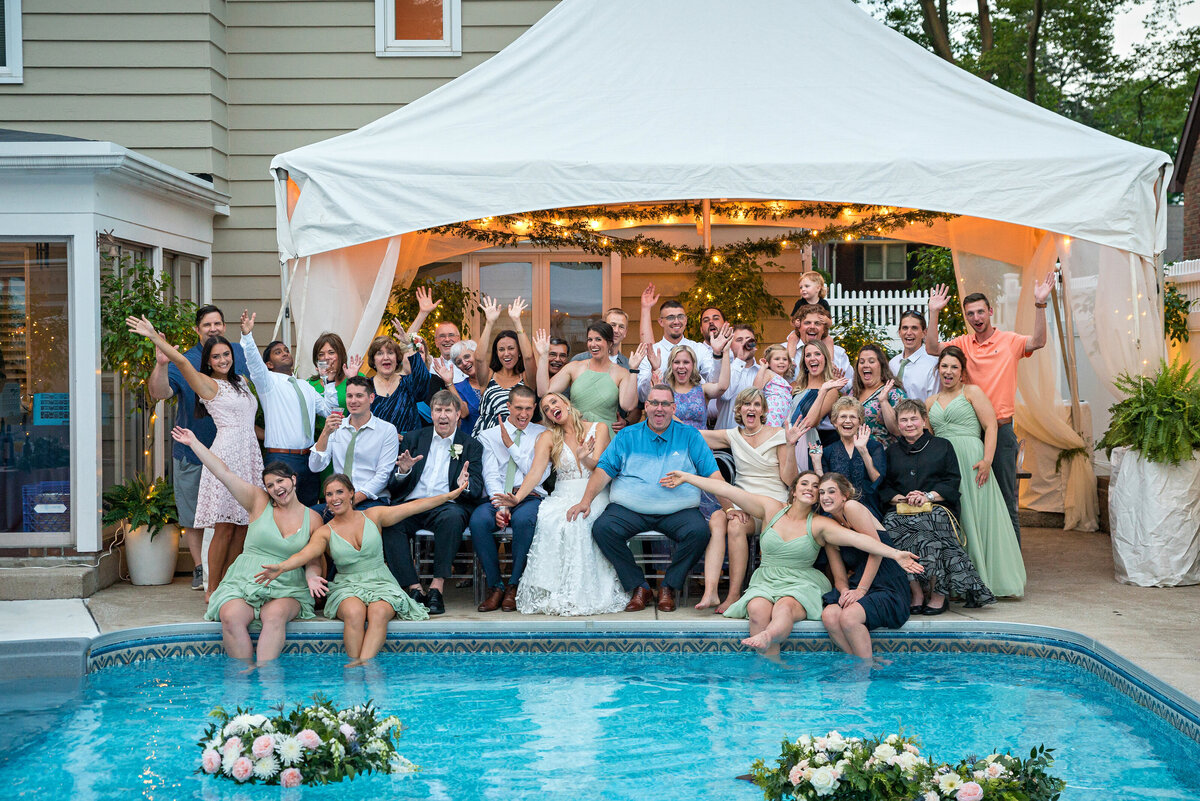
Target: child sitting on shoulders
x=812, y=291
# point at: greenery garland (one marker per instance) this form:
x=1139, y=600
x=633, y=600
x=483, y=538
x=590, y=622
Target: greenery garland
x=581, y=228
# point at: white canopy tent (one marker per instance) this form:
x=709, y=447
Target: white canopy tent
x=627, y=101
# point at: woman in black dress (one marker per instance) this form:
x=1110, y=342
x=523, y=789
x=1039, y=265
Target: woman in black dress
x=921, y=485
x=868, y=592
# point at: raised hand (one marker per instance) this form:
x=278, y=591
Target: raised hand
x=1042, y=289
x=397, y=326
x=183, y=436
x=333, y=422
x=835, y=383
x=673, y=479
x=247, y=322
x=983, y=469
x=541, y=342
x=504, y=435
x=886, y=392
x=160, y=357
x=405, y=462
x=442, y=368
x=490, y=308
x=142, y=327
x=515, y=309
x=638, y=354
x=649, y=297
x=353, y=365
x=425, y=301
x=317, y=585
x=585, y=450
x=720, y=338
x=654, y=356
x=796, y=431
x=464, y=477
x=862, y=437
x=939, y=299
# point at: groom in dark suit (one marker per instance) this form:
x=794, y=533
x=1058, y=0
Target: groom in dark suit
x=429, y=465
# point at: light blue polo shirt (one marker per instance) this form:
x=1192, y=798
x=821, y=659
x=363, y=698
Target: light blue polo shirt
x=637, y=458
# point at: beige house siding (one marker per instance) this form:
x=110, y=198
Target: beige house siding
x=307, y=71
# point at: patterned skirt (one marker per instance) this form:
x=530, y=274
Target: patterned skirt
x=933, y=537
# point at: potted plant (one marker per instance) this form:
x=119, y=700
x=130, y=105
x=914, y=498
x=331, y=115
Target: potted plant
x=1154, y=498
x=146, y=512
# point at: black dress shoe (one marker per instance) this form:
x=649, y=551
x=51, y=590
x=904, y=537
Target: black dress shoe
x=916, y=609
x=418, y=596
x=436, y=605
x=936, y=610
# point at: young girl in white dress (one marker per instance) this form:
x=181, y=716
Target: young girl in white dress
x=566, y=574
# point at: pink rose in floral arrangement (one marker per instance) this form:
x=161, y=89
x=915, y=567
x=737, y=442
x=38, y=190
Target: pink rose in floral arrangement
x=796, y=775
x=232, y=745
x=348, y=732
x=262, y=746
x=994, y=770
x=970, y=791
x=210, y=761
x=243, y=769
x=309, y=739
x=291, y=777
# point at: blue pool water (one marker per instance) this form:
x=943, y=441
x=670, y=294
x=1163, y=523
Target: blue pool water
x=600, y=725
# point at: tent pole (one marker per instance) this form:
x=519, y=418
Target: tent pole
x=1067, y=347
x=707, y=208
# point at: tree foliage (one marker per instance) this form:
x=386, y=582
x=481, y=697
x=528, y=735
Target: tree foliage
x=936, y=266
x=1061, y=55
x=735, y=287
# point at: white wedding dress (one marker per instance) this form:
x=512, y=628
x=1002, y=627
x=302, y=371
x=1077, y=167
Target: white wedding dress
x=565, y=573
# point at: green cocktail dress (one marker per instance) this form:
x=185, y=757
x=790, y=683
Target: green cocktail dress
x=362, y=574
x=595, y=395
x=265, y=545
x=786, y=570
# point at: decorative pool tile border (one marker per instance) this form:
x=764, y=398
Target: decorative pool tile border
x=1179, y=712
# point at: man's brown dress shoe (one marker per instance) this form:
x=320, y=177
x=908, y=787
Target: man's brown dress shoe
x=510, y=599
x=666, y=599
x=492, y=602
x=641, y=597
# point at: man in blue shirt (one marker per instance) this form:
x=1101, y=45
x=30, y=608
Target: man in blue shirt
x=634, y=462
x=166, y=381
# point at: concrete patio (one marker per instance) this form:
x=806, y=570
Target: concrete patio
x=1070, y=586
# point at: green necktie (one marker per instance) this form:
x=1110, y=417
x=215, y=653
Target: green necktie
x=349, y=461
x=510, y=473
x=305, y=419
x=900, y=372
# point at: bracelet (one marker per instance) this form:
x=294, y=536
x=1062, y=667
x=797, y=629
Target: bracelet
x=1039, y=305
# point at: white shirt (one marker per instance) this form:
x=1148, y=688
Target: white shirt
x=375, y=450
x=280, y=404
x=920, y=374
x=704, y=358
x=496, y=456
x=435, y=475
x=741, y=376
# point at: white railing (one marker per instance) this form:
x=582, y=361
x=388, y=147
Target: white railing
x=878, y=307
x=1185, y=275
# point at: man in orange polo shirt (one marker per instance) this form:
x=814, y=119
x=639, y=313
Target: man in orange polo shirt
x=992, y=357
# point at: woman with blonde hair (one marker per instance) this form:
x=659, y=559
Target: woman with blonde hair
x=818, y=384
x=682, y=375
x=565, y=573
x=764, y=463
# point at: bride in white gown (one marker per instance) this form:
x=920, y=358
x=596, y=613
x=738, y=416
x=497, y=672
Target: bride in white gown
x=565, y=573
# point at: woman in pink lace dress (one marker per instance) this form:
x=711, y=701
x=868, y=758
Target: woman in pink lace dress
x=222, y=393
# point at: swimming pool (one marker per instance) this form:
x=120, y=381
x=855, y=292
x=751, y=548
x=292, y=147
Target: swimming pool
x=611, y=716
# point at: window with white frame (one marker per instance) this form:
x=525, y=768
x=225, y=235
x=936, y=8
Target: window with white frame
x=565, y=291
x=10, y=42
x=418, y=27
x=885, y=262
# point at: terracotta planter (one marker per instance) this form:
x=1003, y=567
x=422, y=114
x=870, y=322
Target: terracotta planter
x=152, y=559
x=1154, y=514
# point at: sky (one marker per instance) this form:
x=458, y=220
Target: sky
x=1129, y=28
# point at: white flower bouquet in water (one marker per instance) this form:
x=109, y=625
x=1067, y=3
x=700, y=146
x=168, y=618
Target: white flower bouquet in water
x=892, y=768
x=314, y=744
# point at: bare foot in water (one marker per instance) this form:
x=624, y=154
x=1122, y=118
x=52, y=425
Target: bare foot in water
x=707, y=601
x=356, y=663
x=250, y=668
x=759, y=642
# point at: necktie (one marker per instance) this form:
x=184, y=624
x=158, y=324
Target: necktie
x=900, y=372
x=302, y=410
x=348, y=466
x=510, y=473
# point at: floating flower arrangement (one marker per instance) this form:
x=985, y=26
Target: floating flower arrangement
x=314, y=744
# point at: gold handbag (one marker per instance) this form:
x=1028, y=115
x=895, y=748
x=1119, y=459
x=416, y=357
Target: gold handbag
x=903, y=508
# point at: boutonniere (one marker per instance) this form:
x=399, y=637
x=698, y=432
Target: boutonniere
x=455, y=451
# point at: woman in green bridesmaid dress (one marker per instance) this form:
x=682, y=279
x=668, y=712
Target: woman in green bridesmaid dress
x=364, y=594
x=786, y=587
x=960, y=413
x=239, y=599
x=599, y=387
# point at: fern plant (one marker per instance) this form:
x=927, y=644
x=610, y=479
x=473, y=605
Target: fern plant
x=140, y=502
x=1159, y=416
x=936, y=266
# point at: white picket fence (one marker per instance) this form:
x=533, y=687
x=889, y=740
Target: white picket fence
x=1185, y=275
x=878, y=307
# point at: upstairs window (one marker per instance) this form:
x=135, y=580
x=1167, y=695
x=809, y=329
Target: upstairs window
x=418, y=27
x=10, y=41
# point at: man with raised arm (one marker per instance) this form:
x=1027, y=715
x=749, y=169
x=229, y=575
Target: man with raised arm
x=290, y=408
x=742, y=369
x=673, y=321
x=166, y=381
x=992, y=357
x=363, y=446
x=429, y=466
x=915, y=368
x=634, y=462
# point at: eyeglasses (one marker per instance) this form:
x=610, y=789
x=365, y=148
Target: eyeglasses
x=674, y=318
x=660, y=403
